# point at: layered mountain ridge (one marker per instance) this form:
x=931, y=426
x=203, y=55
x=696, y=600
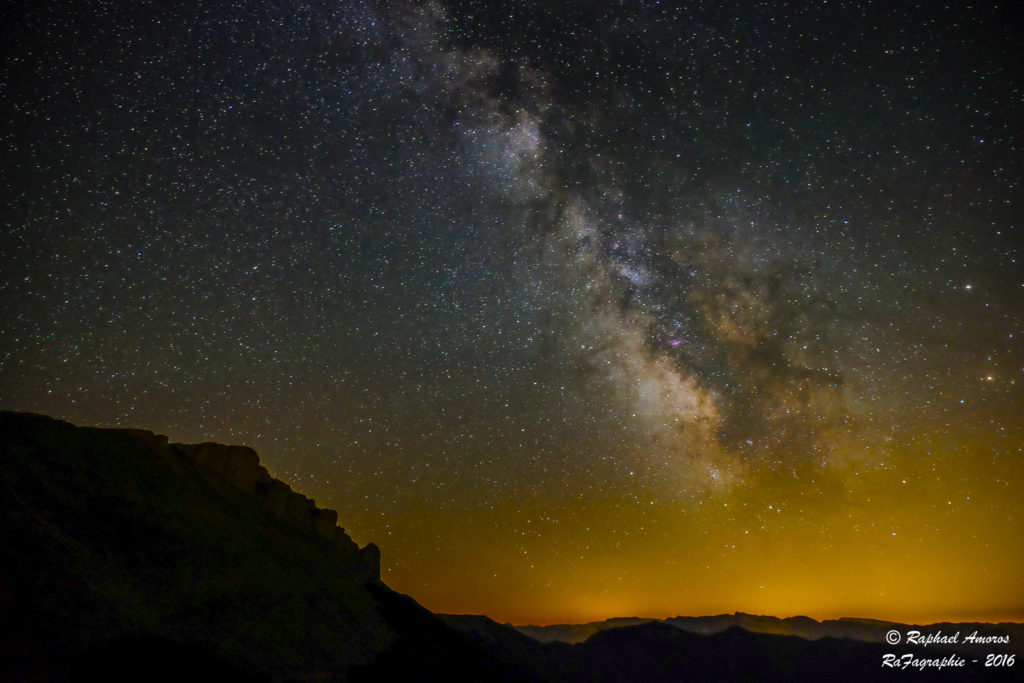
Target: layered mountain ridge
x=852, y=628
x=124, y=557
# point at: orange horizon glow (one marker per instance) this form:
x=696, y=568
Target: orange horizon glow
x=869, y=541
x=722, y=316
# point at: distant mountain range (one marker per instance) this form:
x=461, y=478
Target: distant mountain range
x=866, y=630
x=127, y=558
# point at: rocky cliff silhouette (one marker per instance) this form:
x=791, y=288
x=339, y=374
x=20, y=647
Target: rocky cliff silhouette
x=241, y=466
x=127, y=558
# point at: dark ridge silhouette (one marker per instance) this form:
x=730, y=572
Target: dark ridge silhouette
x=656, y=652
x=577, y=633
x=508, y=645
x=428, y=649
x=126, y=558
x=866, y=630
x=123, y=555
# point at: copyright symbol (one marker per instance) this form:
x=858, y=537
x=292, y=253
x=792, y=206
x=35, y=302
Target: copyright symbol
x=892, y=637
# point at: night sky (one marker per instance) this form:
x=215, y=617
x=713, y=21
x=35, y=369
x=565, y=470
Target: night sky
x=577, y=310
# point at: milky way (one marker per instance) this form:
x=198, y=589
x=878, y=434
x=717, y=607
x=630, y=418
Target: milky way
x=645, y=307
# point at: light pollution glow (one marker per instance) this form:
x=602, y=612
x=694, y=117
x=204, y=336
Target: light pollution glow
x=722, y=316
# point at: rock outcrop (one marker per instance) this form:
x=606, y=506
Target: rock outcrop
x=240, y=465
x=126, y=558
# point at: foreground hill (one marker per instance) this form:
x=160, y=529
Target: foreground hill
x=126, y=558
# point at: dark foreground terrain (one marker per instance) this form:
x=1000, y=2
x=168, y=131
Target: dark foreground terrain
x=124, y=557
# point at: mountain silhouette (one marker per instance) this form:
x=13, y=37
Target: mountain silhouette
x=124, y=557
x=127, y=558
x=867, y=630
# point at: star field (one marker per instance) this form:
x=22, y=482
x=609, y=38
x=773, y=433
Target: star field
x=577, y=312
